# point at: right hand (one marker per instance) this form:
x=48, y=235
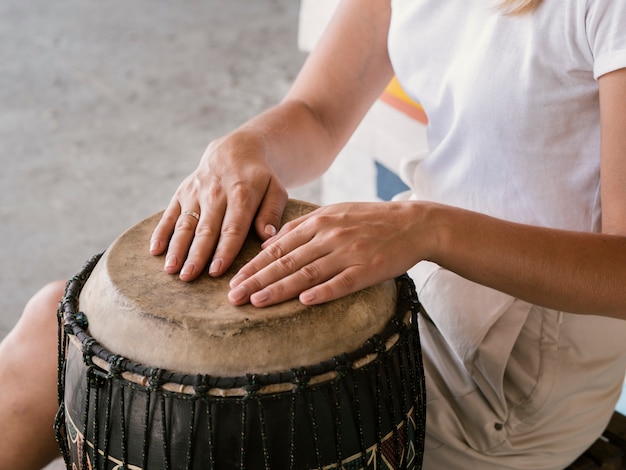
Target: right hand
x=232, y=185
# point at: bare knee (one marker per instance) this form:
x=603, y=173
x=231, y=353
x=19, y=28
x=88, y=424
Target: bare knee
x=41, y=309
x=39, y=318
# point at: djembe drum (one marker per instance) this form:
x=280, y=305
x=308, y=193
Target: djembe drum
x=157, y=373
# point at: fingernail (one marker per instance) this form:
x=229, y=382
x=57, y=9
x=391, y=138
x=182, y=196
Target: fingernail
x=238, y=279
x=171, y=261
x=237, y=294
x=216, y=264
x=307, y=296
x=187, y=270
x=270, y=230
x=154, y=246
x=260, y=297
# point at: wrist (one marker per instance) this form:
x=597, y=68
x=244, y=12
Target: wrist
x=432, y=225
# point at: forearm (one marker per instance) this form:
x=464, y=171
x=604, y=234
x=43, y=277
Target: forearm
x=338, y=83
x=569, y=271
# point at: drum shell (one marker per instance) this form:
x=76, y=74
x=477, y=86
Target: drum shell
x=367, y=413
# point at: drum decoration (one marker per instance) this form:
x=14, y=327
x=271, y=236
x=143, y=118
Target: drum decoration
x=363, y=408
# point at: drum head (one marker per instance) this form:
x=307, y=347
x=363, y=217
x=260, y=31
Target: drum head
x=140, y=312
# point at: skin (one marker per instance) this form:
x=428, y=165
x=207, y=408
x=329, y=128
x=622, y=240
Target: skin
x=28, y=372
x=342, y=248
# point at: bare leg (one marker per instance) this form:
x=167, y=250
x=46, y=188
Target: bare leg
x=28, y=374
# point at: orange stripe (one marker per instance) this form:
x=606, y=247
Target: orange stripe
x=397, y=98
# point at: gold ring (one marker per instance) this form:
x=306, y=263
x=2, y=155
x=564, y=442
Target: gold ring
x=193, y=214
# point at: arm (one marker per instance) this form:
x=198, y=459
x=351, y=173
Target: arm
x=574, y=272
x=364, y=244
x=245, y=172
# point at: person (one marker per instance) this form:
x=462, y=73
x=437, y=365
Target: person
x=514, y=229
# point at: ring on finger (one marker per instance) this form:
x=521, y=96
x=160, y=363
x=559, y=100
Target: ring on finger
x=191, y=213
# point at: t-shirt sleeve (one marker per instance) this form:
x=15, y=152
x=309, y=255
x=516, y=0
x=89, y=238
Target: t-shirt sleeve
x=606, y=33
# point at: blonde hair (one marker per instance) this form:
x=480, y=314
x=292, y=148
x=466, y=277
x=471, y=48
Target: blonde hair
x=519, y=7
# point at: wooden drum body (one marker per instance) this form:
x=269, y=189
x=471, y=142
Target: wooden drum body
x=157, y=373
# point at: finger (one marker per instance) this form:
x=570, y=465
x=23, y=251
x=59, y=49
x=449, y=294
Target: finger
x=160, y=238
x=313, y=278
x=205, y=238
x=273, y=272
x=267, y=221
x=181, y=239
x=276, y=248
x=233, y=233
x=346, y=282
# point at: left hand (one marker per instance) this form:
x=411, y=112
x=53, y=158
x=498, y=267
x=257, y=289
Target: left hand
x=331, y=252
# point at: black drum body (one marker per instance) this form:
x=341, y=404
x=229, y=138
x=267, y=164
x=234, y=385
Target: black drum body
x=364, y=409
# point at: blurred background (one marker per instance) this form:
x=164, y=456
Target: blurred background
x=106, y=106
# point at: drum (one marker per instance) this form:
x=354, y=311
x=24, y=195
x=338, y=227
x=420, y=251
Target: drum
x=156, y=373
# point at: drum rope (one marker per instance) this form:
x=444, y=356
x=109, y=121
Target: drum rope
x=83, y=448
x=403, y=386
x=154, y=383
x=67, y=304
x=164, y=440
x=292, y=431
x=191, y=427
x=242, y=435
x=95, y=379
x=210, y=444
x=59, y=420
x=123, y=431
x=341, y=373
x=252, y=388
x=357, y=407
x=301, y=379
x=107, y=420
x=390, y=405
x=379, y=347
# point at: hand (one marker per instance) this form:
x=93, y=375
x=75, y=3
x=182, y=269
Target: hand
x=209, y=216
x=330, y=253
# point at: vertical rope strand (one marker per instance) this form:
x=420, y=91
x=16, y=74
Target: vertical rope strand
x=336, y=389
x=124, y=434
x=83, y=446
x=164, y=437
x=107, y=423
x=292, y=432
x=192, y=420
x=242, y=447
x=209, y=418
x=146, y=424
x=96, y=421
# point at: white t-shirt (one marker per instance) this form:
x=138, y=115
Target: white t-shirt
x=513, y=132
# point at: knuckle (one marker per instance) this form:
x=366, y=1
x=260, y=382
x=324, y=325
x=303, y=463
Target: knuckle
x=311, y=272
x=214, y=190
x=347, y=281
x=240, y=191
x=287, y=263
x=183, y=224
x=204, y=231
x=275, y=250
x=233, y=229
x=168, y=219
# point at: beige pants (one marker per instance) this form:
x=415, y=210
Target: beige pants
x=550, y=399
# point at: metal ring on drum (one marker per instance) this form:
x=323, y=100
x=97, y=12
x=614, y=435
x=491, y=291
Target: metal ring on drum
x=156, y=373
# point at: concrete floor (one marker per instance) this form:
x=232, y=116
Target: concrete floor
x=106, y=106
